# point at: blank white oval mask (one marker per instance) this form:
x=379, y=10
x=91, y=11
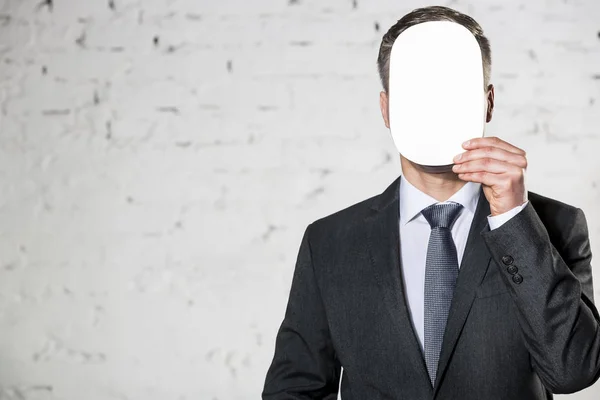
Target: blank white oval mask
x=436, y=92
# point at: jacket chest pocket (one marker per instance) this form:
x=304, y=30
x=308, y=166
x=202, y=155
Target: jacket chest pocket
x=492, y=284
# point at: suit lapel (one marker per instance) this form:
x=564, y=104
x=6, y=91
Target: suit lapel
x=382, y=230
x=382, y=233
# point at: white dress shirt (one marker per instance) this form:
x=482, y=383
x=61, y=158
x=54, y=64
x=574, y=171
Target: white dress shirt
x=414, y=238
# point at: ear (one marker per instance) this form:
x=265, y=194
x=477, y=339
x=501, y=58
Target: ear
x=383, y=104
x=490, y=103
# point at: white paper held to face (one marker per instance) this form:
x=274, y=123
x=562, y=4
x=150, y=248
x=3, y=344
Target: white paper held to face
x=436, y=92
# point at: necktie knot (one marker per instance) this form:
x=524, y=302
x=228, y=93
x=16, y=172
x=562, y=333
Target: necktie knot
x=442, y=215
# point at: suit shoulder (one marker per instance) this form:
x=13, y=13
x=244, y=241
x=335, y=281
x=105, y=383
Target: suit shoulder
x=558, y=217
x=342, y=221
x=549, y=206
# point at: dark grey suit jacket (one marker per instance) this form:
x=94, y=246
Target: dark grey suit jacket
x=505, y=338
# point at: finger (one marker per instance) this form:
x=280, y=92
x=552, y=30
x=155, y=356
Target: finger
x=487, y=165
x=494, y=142
x=483, y=177
x=492, y=152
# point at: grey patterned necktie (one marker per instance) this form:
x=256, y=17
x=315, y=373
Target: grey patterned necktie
x=441, y=271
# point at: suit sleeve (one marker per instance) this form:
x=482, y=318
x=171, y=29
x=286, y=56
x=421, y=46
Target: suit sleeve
x=553, y=296
x=304, y=365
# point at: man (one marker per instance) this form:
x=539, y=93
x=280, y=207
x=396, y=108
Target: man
x=522, y=322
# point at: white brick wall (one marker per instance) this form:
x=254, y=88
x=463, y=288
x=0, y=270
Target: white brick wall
x=161, y=159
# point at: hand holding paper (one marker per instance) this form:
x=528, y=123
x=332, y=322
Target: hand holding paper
x=438, y=100
x=499, y=167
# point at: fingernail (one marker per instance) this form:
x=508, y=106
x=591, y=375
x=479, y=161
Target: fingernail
x=457, y=157
x=466, y=143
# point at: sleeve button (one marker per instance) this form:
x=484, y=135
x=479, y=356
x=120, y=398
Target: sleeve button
x=517, y=279
x=512, y=269
x=507, y=260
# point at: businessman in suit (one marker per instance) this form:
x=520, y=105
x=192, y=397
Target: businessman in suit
x=453, y=283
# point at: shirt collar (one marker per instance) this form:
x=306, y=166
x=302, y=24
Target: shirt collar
x=412, y=200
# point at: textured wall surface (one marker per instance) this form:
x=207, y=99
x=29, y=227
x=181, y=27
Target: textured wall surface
x=160, y=160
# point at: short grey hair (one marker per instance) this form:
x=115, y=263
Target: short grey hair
x=426, y=14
